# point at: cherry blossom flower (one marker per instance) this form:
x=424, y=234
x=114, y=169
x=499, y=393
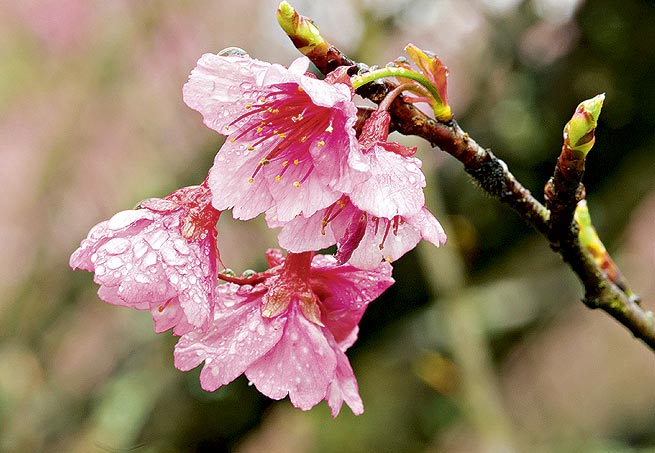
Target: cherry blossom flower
x=381, y=219
x=161, y=258
x=288, y=331
x=291, y=147
x=363, y=240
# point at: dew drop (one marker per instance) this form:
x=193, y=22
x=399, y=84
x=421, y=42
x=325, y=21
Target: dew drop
x=150, y=259
x=157, y=239
x=124, y=219
x=240, y=337
x=244, y=290
x=171, y=256
x=253, y=325
x=117, y=246
x=140, y=248
x=114, y=262
x=181, y=246
x=141, y=278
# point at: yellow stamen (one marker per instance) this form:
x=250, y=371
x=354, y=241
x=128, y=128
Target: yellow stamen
x=250, y=180
x=321, y=143
x=296, y=162
x=278, y=177
x=296, y=184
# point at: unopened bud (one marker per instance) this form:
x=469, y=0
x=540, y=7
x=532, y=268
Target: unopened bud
x=579, y=131
x=302, y=30
x=437, y=73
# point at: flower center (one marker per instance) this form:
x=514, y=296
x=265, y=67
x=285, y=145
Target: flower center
x=283, y=126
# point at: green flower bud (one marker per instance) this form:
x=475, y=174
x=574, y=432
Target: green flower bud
x=579, y=131
x=302, y=30
x=587, y=233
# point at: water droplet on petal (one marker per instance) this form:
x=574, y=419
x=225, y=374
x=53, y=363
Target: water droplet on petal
x=139, y=249
x=181, y=246
x=244, y=290
x=157, y=239
x=114, y=262
x=150, y=259
x=117, y=246
x=141, y=278
x=171, y=256
x=125, y=218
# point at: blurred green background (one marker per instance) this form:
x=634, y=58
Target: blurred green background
x=481, y=346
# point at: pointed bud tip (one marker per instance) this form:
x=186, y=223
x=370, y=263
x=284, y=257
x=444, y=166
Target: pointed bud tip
x=302, y=31
x=579, y=131
x=592, y=106
x=285, y=15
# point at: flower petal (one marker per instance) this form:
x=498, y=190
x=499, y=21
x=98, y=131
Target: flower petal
x=302, y=364
x=395, y=186
x=344, y=388
x=220, y=87
x=237, y=337
x=345, y=292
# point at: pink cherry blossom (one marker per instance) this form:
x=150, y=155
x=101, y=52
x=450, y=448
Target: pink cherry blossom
x=291, y=147
x=363, y=240
x=161, y=258
x=288, y=331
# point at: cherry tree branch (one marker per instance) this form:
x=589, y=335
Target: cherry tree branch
x=602, y=289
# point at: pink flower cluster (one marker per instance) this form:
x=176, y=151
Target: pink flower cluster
x=292, y=153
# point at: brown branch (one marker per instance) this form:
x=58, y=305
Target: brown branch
x=494, y=177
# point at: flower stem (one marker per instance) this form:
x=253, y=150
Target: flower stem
x=393, y=71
